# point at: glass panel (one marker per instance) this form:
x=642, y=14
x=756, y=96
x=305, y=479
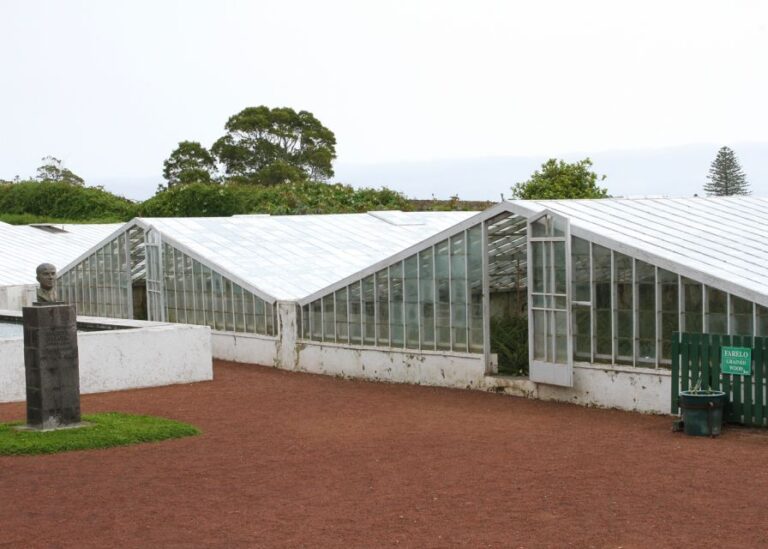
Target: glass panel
x=442, y=280
x=271, y=318
x=178, y=275
x=540, y=228
x=582, y=320
x=396, y=304
x=107, y=278
x=329, y=319
x=316, y=319
x=342, y=322
x=693, y=306
x=741, y=316
x=98, y=281
x=369, y=311
x=475, y=282
x=669, y=311
x=762, y=321
x=411, y=298
x=354, y=314
x=717, y=311
x=239, y=308
x=548, y=226
x=382, y=318
x=539, y=327
x=305, y=333
x=197, y=278
x=561, y=337
x=228, y=310
x=624, y=298
x=558, y=227
x=645, y=276
x=189, y=292
x=260, y=312
x=558, y=263
x=427, y=295
x=169, y=269
x=537, y=251
x=580, y=270
x=209, y=297
x=459, y=293
x=250, y=315
x=218, y=302
x=601, y=292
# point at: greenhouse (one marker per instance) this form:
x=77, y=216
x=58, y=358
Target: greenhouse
x=24, y=247
x=580, y=296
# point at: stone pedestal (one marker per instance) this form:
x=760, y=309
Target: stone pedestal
x=51, y=364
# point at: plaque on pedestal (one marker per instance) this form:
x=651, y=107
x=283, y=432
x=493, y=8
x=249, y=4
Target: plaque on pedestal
x=52, y=367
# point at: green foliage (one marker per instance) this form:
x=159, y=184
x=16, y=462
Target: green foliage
x=305, y=197
x=108, y=430
x=53, y=170
x=60, y=200
x=190, y=162
x=453, y=204
x=560, y=179
x=192, y=200
x=27, y=219
x=726, y=178
x=269, y=146
x=509, y=340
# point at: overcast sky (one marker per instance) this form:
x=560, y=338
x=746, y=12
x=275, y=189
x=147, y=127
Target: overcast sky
x=111, y=87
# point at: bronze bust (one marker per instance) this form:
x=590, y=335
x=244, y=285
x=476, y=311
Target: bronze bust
x=46, y=276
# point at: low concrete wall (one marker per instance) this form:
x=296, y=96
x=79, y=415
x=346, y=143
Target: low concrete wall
x=424, y=368
x=248, y=348
x=418, y=367
x=13, y=298
x=608, y=386
x=148, y=355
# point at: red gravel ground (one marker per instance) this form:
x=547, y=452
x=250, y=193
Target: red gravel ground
x=290, y=459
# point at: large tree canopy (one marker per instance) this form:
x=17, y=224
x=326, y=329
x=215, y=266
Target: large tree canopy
x=269, y=146
x=560, y=179
x=53, y=170
x=726, y=177
x=189, y=163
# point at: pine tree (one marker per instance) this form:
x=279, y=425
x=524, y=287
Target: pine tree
x=726, y=177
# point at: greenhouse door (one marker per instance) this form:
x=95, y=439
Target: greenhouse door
x=549, y=316
x=155, y=301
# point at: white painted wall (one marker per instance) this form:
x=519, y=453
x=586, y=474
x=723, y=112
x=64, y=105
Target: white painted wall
x=608, y=386
x=153, y=355
x=247, y=348
x=443, y=369
x=13, y=298
x=404, y=366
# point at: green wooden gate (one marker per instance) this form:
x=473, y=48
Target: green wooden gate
x=697, y=357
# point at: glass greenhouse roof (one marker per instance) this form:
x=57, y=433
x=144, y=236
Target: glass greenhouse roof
x=290, y=257
x=722, y=241
x=24, y=247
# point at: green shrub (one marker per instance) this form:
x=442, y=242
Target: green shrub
x=63, y=201
x=201, y=199
x=191, y=200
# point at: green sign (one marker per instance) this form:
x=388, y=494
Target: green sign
x=736, y=361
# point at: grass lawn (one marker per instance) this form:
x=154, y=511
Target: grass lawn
x=107, y=430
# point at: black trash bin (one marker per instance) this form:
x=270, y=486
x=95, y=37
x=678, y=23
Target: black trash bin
x=702, y=412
